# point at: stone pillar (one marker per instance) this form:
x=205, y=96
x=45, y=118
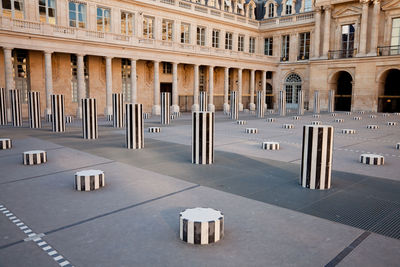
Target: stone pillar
x=264, y=87
x=240, y=71
x=317, y=32
x=203, y=137
x=252, y=106
x=8, y=75
x=195, y=106
x=316, y=102
x=57, y=113
x=165, y=104
x=34, y=110
x=375, y=28
x=282, y=103
x=89, y=118
x=300, y=102
x=327, y=32
x=211, y=106
x=81, y=84
x=226, y=89
x=133, y=82
x=331, y=101
x=156, y=105
x=48, y=80
x=175, y=96
x=234, y=105
x=260, y=104
x=364, y=28
x=134, y=126
x=108, y=109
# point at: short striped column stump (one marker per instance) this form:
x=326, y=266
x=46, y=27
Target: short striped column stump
x=172, y=116
x=241, y=122
x=316, y=161
x=201, y=226
x=347, y=113
x=68, y=119
x=270, y=111
x=372, y=116
x=48, y=118
x=361, y=112
x=89, y=180
x=391, y=123
x=333, y=114
x=315, y=123
x=251, y=130
x=385, y=115
x=339, y=120
x=348, y=131
x=177, y=114
x=398, y=146
x=154, y=129
x=357, y=118
x=109, y=117
x=5, y=143
x=372, y=126
x=372, y=159
x=34, y=157
x=316, y=116
x=271, y=120
x=296, y=118
x=288, y=126
x=146, y=116
x=270, y=145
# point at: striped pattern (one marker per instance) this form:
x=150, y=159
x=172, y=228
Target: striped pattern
x=251, y=130
x=34, y=157
x=271, y=120
x=203, y=103
x=282, y=103
x=89, y=118
x=134, y=126
x=203, y=137
x=398, y=146
x=357, y=118
x=172, y=117
x=260, y=104
x=300, y=105
x=339, y=120
x=296, y=118
x=288, y=126
x=68, y=119
x=348, y=113
x=234, y=105
x=57, y=111
x=89, y=180
x=3, y=107
x=177, y=114
x=109, y=117
x=270, y=111
x=15, y=100
x=361, y=112
x=241, y=122
x=316, y=116
x=316, y=102
x=315, y=123
x=165, y=105
x=118, y=110
x=316, y=162
x=391, y=123
x=348, y=131
x=146, y=115
x=48, y=118
x=154, y=129
x=372, y=159
x=333, y=114
x=331, y=101
x=201, y=226
x=34, y=110
x=372, y=116
x=270, y=145
x=5, y=143
x=372, y=126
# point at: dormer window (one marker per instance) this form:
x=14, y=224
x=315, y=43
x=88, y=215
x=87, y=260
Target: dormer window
x=288, y=7
x=271, y=10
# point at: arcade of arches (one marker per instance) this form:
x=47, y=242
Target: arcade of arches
x=389, y=91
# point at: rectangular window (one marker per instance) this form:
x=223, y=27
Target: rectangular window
x=215, y=38
x=185, y=33
x=285, y=48
x=201, y=36
x=148, y=28
x=268, y=44
x=12, y=8
x=167, y=68
x=74, y=77
x=167, y=26
x=395, y=39
x=252, y=45
x=103, y=19
x=304, y=46
x=241, y=43
x=126, y=79
x=347, y=41
x=228, y=40
x=77, y=14
x=127, y=23
x=47, y=11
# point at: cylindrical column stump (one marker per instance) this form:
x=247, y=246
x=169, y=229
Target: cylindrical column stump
x=357, y=118
x=5, y=143
x=315, y=123
x=282, y=103
x=201, y=226
x=3, y=107
x=372, y=116
x=154, y=129
x=300, y=107
x=241, y=122
x=34, y=157
x=260, y=104
x=296, y=118
x=34, y=110
x=146, y=115
x=234, y=105
x=57, y=113
x=339, y=120
x=89, y=118
x=348, y=131
x=68, y=119
x=398, y=146
x=288, y=126
x=391, y=123
x=89, y=180
x=202, y=137
x=15, y=100
x=372, y=126
x=271, y=119
x=372, y=159
x=118, y=110
x=165, y=105
x=270, y=145
x=316, y=162
x=316, y=102
x=134, y=126
x=203, y=101
x=251, y=130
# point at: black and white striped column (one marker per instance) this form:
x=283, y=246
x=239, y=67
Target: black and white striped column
x=3, y=107
x=89, y=118
x=300, y=104
x=165, y=106
x=57, y=113
x=316, y=102
x=15, y=100
x=134, y=126
x=203, y=137
x=372, y=159
x=5, y=143
x=260, y=104
x=34, y=110
x=282, y=103
x=118, y=110
x=331, y=101
x=34, y=157
x=234, y=105
x=154, y=129
x=316, y=162
x=203, y=103
x=270, y=145
x=89, y=180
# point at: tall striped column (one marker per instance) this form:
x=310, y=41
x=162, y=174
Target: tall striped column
x=118, y=110
x=282, y=103
x=316, y=102
x=203, y=137
x=316, y=162
x=3, y=107
x=203, y=103
x=165, y=106
x=331, y=102
x=34, y=110
x=89, y=118
x=260, y=104
x=15, y=108
x=300, y=104
x=234, y=105
x=134, y=126
x=57, y=113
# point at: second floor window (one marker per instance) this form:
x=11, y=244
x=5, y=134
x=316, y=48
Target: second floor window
x=201, y=36
x=127, y=22
x=268, y=43
x=13, y=8
x=77, y=14
x=47, y=11
x=241, y=43
x=348, y=40
x=271, y=10
x=215, y=38
x=228, y=40
x=148, y=28
x=103, y=19
x=167, y=30
x=252, y=44
x=185, y=30
x=395, y=39
x=304, y=46
x=285, y=47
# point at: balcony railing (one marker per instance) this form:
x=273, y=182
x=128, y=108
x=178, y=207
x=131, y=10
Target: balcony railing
x=337, y=54
x=393, y=50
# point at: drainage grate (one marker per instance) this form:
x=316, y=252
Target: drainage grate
x=389, y=226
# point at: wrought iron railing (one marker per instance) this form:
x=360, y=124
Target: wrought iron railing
x=346, y=53
x=393, y=50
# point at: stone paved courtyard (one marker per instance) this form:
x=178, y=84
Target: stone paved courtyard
x=269, y=219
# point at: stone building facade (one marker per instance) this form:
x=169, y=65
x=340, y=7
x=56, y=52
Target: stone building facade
x=92, y=48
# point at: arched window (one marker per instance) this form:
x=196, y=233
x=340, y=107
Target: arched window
x=292, y=86
x=288, y=7
x=271, y=10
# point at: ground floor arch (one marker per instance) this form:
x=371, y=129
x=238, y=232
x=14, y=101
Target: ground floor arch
x=342, y=83
x=292, y=85
x=389, y=91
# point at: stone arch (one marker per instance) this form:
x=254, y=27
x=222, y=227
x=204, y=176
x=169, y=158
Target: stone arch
x=388, y=90
x=292, y=84
x=342, y=82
